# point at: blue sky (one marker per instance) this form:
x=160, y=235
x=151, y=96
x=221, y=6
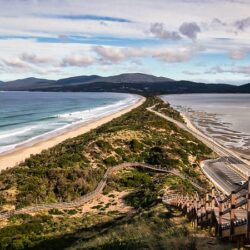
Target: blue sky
x=197, y=40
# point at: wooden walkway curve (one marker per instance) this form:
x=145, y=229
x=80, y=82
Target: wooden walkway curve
x=98, y=190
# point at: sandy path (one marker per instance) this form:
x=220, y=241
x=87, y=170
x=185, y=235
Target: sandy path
x=20, y=154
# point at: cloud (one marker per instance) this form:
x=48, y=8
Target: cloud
x=245, y=70
x=191, y=73
x=172, y=54
x=242, y=24
x=77, y=61
x=158, y=30
x=176, y=55
x=190, y=30
x=34, y=59
x=110, y=54
x=238, y=54
x=15, y=63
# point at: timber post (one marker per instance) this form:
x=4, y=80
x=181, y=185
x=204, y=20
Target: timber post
x=213, y=198
x=206, y=205
x=221, y=208
x=232, y=212
x=248, y=209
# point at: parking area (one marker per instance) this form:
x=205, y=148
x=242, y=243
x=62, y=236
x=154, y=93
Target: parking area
x=222, y=175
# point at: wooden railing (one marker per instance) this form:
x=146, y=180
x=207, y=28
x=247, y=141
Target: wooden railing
x=98, y=190
x=230, y=215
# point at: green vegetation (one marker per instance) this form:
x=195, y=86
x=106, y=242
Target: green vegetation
x=154, y=228
x=55, y=211
x=166, y=109
x=150, y=224
x=74, y=167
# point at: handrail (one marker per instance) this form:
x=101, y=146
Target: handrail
x=91, y=195
x=241, y=203
x=217, y=201
x=205, y=210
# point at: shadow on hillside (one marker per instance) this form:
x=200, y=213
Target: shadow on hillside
x=84, y=234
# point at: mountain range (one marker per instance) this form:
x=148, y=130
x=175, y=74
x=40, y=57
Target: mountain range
x=128, y=83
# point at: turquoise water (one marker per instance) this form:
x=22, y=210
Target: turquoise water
x=31, y=116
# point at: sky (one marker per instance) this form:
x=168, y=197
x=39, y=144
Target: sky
x=198, y=40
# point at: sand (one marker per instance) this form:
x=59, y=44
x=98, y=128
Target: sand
x=197, y=131
x=18, y=155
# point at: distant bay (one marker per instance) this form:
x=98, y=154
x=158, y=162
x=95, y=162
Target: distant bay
x=29, y=116
x=225, y=117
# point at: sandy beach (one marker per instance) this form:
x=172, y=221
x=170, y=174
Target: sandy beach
x=18, y=155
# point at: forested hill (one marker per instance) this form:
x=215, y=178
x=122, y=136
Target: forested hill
x=127, y=83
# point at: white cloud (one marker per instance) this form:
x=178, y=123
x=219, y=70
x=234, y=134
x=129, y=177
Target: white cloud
x=15, y=63
x=77, y=60
x=163, y=28
x=179, y=54
x=110, y=54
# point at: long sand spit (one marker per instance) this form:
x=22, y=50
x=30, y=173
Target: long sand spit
x=18, y=155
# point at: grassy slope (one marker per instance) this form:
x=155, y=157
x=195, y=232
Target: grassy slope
x=75, y=166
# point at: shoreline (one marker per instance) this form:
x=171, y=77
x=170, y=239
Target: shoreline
x=191, y=126
x=19, y=154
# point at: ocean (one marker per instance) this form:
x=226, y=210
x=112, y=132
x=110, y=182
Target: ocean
x=27, y=117
x=225, y=117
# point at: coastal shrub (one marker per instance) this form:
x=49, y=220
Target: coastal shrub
x=110, y=161
x=119, y=151
x=104, y=145
x=157, y=156
x=135, y=179
x=135, y=145
x=142, y=199
x=55, y=211
x=72, y=212
x=2, y=200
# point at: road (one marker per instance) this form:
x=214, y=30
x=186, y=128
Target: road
x=224, y=172
x=222, y=175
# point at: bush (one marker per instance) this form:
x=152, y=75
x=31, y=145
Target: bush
x=157, y=156
x=110, y=161
x=135, y=145
x=104, y=145
x=72, y=212
x=55, y=211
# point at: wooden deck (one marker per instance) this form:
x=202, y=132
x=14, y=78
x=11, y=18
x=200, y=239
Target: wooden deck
x=230, y=215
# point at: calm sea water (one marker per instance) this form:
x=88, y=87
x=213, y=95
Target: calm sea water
x=29, y=116
x=225, y=116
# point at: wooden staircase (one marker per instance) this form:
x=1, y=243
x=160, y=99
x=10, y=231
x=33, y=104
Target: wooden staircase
x=229, y=215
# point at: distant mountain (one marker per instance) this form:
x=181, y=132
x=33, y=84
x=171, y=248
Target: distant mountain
x=148, y=88
x=77, y=80
x=133, y=78
x=122, y=78
x=27, y=84
x=35, y=83
x=244, y=88
x=126, y=83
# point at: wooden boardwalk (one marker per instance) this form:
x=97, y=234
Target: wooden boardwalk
x=98, y=190
x=229, y=215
